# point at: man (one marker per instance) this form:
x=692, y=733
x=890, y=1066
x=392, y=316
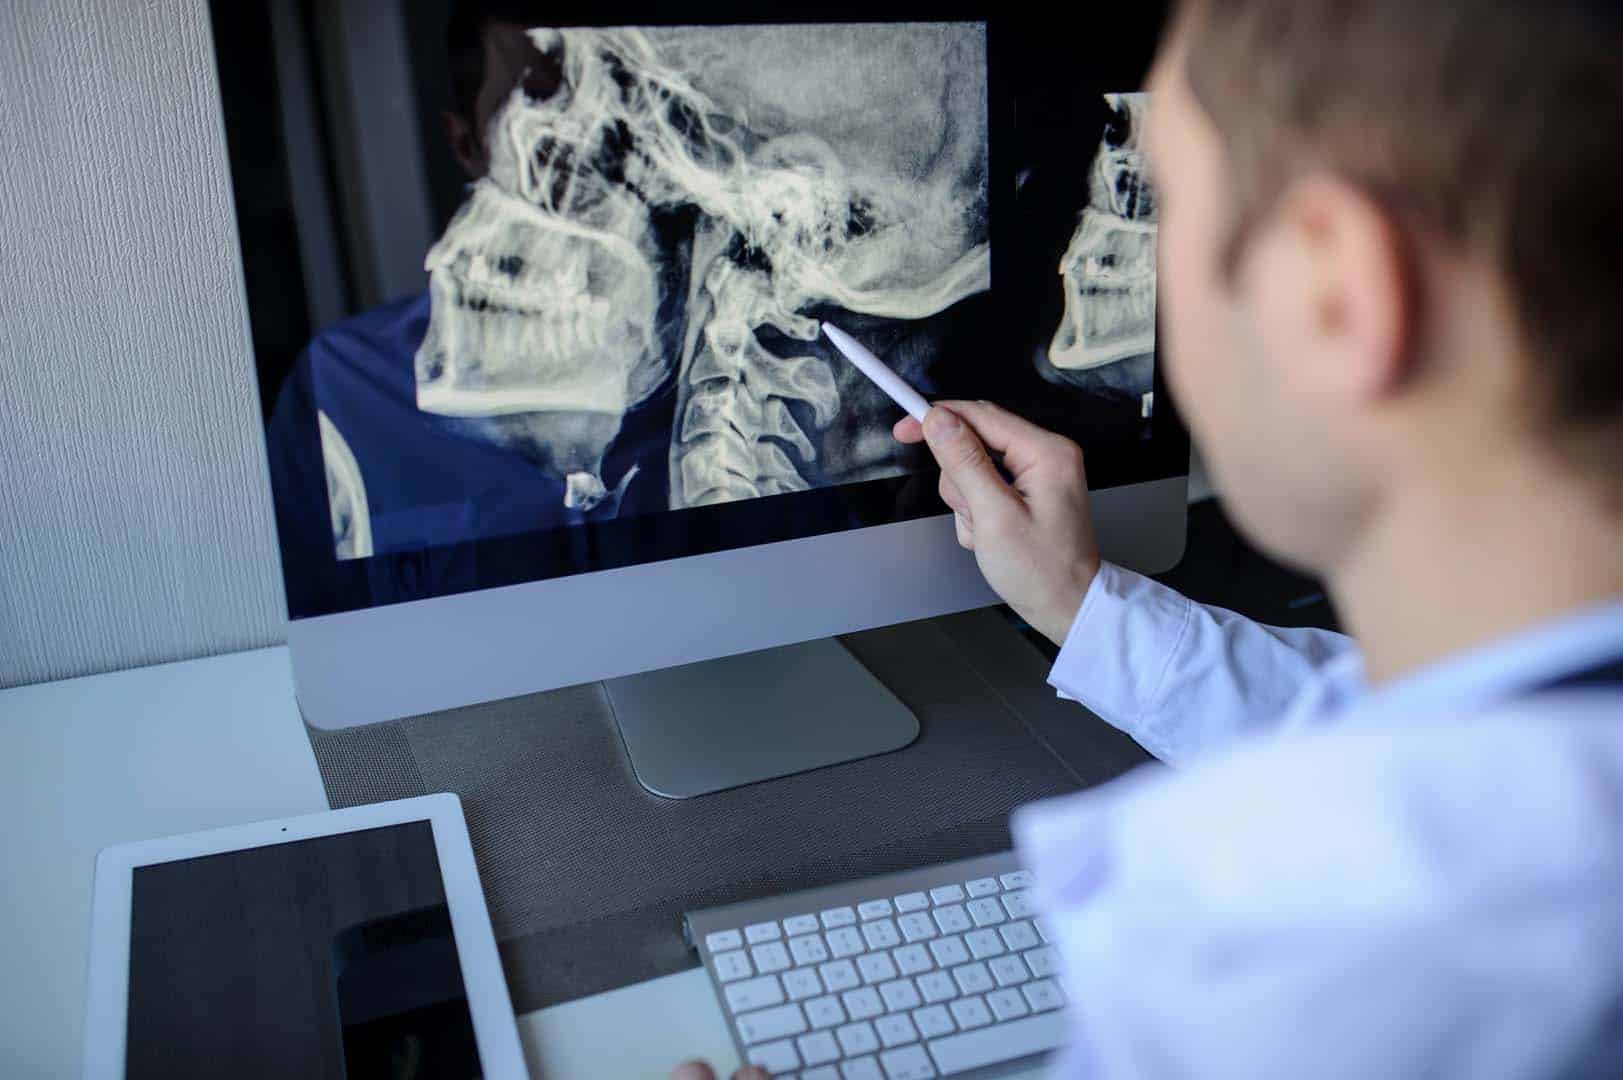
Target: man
x=1390, y=236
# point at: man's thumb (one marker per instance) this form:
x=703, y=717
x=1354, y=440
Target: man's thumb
x=963, y=457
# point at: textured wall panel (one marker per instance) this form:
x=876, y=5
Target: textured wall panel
x=135, y=520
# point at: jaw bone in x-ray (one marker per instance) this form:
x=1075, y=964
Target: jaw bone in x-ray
x=831, y=166
x=1108, y=271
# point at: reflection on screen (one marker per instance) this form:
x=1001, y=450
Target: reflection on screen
x=330, y=957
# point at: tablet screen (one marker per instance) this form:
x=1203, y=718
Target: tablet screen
x=327, y=957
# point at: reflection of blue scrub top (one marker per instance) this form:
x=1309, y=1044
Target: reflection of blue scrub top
x=428, y=484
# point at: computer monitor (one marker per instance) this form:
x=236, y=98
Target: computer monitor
x=533, y=294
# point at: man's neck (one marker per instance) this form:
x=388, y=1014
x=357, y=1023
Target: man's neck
x=1444, y=567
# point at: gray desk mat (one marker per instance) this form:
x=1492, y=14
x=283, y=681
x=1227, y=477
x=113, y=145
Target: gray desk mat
x=587, y=875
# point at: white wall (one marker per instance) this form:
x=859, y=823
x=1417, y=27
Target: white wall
x=135, y=520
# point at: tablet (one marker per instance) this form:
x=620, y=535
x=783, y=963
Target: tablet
x=353, y=943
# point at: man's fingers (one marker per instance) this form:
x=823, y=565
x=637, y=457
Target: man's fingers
x=953, y=497
x=693, y=1070
x=964, y=460
x=966, y=533
x=1022, y=443
x=752, y=1072
x=908, y=430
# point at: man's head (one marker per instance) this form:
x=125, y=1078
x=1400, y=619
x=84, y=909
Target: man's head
x=1390, y=244
x=489, y=53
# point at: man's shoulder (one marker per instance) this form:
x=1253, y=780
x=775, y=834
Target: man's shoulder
x=1417, y=814
x=388, y=334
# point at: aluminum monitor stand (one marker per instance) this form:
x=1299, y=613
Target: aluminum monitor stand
x=720, y=724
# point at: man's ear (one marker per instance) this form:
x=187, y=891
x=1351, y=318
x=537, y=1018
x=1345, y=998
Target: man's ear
x=1360, y=285
x=466, y=145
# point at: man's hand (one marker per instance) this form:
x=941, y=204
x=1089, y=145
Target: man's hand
x=1033, y=538
x=698, y=1070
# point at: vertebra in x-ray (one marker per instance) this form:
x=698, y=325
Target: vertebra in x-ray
x=819, y=166
x=1108, y=271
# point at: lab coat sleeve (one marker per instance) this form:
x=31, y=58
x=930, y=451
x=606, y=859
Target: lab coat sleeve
x=1182, y=678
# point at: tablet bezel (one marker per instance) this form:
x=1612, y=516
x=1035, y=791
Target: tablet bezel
x=494, y=1025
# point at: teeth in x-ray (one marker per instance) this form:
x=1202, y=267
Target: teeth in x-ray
x=1108, y=270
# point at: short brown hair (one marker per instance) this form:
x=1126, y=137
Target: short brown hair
x=1497, y=123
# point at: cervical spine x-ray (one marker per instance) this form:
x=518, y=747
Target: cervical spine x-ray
x=678, y=214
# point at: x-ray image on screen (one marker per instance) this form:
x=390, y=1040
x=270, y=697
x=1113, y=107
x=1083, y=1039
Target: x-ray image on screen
x=535, y=295
x=1105, y=337
x=670, y=211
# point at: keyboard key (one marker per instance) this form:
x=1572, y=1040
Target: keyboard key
x=778, y=1057
x=800, y=924
x=857, y=1039
x=770, y=957
x=917, y=926
x=767, y=1024
x=908, y=1063
x=839, y=975
x=953, y=919
x=808, y=949
x=900, y=995
x=876, y=967
x=1007, y=1004
x=1042, y=930
x=765, y=931
x=822, y=1072
x=1043, y=995
x=722, y=940
x=862, y=1068
x=874, y=909
x=947, y=894
x=840, y=916
x=949, y=951
x=1044, y=962
x=825, y=1012
x=913, y=901
x=937, y=986
x=1020, y=904
x=1009, y=970
x=984, y=943
x=801, y=983
x=933, y=1020
x=818, y=1048
x=985, y=886
x=754, y=994
x=1017, y=879
x=895, y=1030
x=1015, y=1039
x=862, y=1004
x=1018, y=936
x=972, y=978
x=912, y=959
x=733, y=965
x=986, y=911
x=845, y=942
x=881, y=934
x=970, y=1012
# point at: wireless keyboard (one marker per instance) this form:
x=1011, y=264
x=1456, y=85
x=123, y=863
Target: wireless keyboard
x=940, y=971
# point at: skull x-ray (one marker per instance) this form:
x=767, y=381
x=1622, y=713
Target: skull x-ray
x=1106, y=333
x=677, y=214
x=551, y=299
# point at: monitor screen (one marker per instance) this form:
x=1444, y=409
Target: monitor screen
x=534, y=296
x=327, y=957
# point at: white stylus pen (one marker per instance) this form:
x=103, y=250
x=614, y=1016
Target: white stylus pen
x=873, y=367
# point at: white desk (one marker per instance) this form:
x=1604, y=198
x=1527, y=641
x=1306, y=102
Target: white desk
x=136, y=754
x=176, y=748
